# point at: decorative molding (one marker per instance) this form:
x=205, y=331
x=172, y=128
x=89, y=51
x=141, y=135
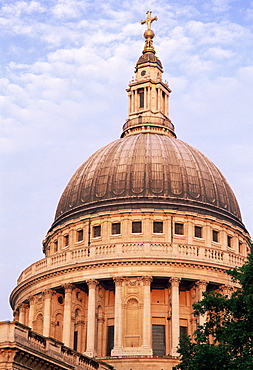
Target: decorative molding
x=99, y=265
x=132, y=281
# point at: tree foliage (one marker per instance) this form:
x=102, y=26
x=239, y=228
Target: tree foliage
x=225, y=341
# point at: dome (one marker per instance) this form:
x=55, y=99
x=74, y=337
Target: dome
x=149, y=57
x=148, y=170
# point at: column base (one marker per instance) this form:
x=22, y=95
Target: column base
x=90, y=353
x=117, y=351
x=132, y=351
x=174, y=352
x=147, y=350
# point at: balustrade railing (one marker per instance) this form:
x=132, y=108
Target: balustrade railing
x=178, y=252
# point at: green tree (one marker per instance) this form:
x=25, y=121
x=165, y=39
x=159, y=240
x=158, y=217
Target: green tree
x=225, y=341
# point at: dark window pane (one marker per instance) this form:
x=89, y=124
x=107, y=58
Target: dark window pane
x=183, y=331
x=66, y=240
x=158, y=227
x=96, y=231
x=116, y=228
x=136, y=227
x=75, y=340
x=179, y=228
x=229, y=241
x=240, y=247
x=79, y=235
x=215, y=236
x=158, y=340
x=110, y=340
x=55, y=246
x=141, y=96
x=198, y=232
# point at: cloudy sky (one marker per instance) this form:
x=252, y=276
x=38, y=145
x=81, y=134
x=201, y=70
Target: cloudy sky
x=64, y=68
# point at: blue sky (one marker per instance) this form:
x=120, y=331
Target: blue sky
x=64, y=68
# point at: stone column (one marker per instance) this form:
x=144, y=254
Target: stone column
x=22, y=313
x=47, y=312
x=91, y=318
x=31, y=312
x=117, y=350
x=147, y=347
x=66, y=332
x=159, y=98
x=175, y=333
x=201, y=284
x=136, y=103
x=166, y=105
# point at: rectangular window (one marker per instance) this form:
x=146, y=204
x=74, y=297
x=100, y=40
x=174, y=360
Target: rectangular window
x=116, y=228
x=141, y=97
x=96, y=231
x=75, y=340
x=198, y=232
x=158, y=340
x=183, y=331
x=110, y=340
x=136, y=227
x=158, y=227
x=66, y=241
x=179, y=228
x=56, y=246
x=79, y=235
x=240, y=247
x=215, y=236
x=229, y=241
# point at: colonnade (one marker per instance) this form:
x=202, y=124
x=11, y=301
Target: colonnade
x=94, y=328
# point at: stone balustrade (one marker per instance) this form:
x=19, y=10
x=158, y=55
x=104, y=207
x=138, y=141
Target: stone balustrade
x=178, y=252
x=21, y=338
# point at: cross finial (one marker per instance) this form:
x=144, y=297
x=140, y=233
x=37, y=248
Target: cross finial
x=149, y=20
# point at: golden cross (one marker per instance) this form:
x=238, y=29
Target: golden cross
x=149, y=20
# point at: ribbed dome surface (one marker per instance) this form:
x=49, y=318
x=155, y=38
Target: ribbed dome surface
x=150, y=170
x=149, y=57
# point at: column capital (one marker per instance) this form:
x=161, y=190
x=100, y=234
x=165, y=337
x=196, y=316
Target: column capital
x=226, y=289
x=202, y=283
x=147, y=280
x=31, y=299
x=175, y=281
x=68, y=287
x=92, y=283
x=118, y=280
x=22, y=307
x=48, y=293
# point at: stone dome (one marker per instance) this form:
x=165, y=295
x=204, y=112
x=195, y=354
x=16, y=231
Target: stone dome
x=149, y=57
x=148, y=170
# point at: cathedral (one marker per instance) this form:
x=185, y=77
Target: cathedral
x=143, y=228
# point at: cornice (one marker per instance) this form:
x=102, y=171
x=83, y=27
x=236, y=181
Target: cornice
x=98, y=265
